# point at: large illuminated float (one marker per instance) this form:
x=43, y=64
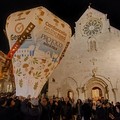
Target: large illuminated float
x=38, y=40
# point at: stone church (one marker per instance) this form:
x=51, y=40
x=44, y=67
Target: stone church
x=91, y=65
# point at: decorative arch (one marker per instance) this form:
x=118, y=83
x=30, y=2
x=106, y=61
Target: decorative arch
x=71, y=80
x=101, y=79
x=69, y=84
x=97, y=81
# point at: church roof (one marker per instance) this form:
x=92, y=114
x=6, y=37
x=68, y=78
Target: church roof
x=93, y=13
x=90, y=11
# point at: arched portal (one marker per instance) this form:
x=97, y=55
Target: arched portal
x=98, y=88
x=95, y=88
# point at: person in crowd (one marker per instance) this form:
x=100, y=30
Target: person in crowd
x=56, y=109
x=110, y=111
x=45, y=109
x=61, y=101
x=31, y=109
x=66, y=110
x=4, y=112
x=101, y=110
x=79, y=113
x=86, y=108
x=72, y=102
x=93, y=115
x=51, y=105
x=117, y=112
x=14, y=109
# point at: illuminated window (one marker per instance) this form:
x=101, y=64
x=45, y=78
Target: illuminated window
x=96, y=93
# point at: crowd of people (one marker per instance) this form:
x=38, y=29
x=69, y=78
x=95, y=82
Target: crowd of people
x=54, y=108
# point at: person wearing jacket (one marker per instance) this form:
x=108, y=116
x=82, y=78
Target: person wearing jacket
x=31, y=109
x=66, y=110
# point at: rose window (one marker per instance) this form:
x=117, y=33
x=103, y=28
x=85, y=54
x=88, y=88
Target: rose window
x=92, y=27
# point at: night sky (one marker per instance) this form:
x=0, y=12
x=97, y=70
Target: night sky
x=68, y=10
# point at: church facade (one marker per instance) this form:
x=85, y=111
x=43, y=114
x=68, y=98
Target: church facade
x=91, y=65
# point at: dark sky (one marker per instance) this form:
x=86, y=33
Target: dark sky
x=68, y=10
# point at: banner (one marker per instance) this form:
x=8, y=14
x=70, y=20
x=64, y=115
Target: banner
x=35, y=58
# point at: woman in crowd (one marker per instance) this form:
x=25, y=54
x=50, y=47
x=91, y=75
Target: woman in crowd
x=79, y=113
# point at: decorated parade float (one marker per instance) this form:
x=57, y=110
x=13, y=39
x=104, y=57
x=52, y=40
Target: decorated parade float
x=38, y=40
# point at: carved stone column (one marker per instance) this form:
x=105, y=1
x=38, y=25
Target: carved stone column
x=115, y=93
x=78, y=92
x=82, y=90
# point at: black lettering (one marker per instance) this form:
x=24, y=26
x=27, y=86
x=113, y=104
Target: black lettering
x=29, y=36
x=51, y=42
x=16, y=37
